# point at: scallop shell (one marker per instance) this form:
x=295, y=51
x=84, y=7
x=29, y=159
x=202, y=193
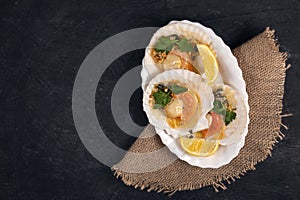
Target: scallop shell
x=187, y=30
x=195, y=83
x=231, y=75
x=234, y=130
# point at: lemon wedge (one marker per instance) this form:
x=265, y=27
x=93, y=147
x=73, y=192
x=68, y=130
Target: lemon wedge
x=198, y=146
x=211, y=68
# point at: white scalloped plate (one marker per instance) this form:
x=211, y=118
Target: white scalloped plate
x=232, y=76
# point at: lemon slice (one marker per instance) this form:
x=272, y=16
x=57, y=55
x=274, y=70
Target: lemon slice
x=209, y=62
x=198, y=146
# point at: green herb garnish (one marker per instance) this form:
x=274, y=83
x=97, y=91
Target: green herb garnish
x=230, y=116
x=166, y=44
x=163, y=95
x=158, y=106
x=161, y=98
x=176, y=89
x=219, y=108
x=185, y=46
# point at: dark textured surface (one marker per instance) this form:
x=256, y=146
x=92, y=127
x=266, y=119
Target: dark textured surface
x=42, y=45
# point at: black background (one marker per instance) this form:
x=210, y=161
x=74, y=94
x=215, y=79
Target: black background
x=42, y=45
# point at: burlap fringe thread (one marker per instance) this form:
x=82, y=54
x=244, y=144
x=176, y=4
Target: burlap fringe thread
x=220, y=181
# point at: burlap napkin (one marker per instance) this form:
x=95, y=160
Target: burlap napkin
x=263, y=69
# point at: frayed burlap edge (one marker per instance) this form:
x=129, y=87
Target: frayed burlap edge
x=221, y=181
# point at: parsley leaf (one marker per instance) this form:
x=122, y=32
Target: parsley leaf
x=184, y=45
x=230, y=116
x=161, y=99
x=219, y=108
x=176, y=89
x=158, y=106
x=165, y=44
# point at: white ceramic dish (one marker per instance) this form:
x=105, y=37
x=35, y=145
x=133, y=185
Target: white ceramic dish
x=232, y=76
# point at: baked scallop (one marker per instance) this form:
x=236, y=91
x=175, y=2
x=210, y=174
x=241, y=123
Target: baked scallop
x=178, y=101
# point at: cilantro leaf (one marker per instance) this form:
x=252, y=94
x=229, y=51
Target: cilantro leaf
x=219, y=108
x=161, y=99
x=184, y=45
x=165, y=44
x=230, y=116
x=158, y=106
x=176, y=89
